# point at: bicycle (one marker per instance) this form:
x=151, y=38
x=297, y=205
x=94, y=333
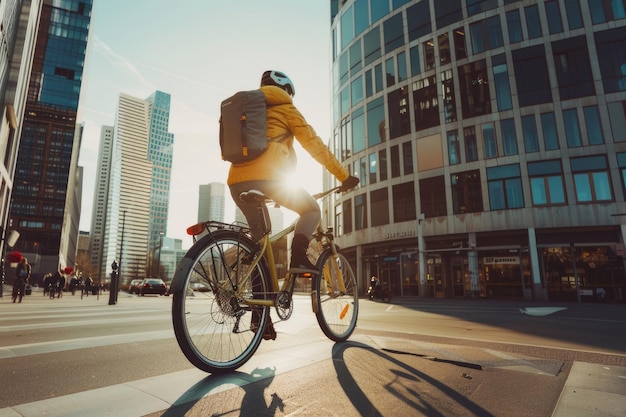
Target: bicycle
x=240, y=276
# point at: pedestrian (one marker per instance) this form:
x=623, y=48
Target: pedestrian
x=22, y=277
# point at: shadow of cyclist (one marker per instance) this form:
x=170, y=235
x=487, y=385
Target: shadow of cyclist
x=402, y=383
x=253, y=402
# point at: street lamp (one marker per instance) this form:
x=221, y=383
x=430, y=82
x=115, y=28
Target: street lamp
x=159, y=258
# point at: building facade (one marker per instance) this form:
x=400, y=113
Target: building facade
x=489, y=138
x=18, y=29
x=138, y=183
x=211, y=202
x=46, y=169
x=100, y=199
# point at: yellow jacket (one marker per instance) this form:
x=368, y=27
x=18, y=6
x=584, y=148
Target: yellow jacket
x=279, y=160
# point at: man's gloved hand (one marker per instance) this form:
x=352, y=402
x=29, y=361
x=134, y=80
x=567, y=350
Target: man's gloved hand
x=348, y=184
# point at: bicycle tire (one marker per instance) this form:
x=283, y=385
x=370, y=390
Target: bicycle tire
x=336, y=311
x=216, y=330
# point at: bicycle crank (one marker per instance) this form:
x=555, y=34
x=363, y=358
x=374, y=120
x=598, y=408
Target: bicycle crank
x=284, y=305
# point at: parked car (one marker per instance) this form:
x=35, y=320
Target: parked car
x=152, y=286
x=134, y=286
x=199, y=286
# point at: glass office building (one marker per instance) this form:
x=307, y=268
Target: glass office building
x=490, y=140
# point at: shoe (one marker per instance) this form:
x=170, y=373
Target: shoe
x=269, y=333
x=300, y=263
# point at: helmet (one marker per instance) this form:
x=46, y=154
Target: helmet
x=278, y=79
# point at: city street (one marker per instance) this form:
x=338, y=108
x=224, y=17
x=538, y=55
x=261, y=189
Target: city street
x=435, y=357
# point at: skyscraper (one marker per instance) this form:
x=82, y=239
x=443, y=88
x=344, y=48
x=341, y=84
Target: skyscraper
x=100, y=198
x=50, y=138
x=211, y=202
x=18, y=29
x=139, y=180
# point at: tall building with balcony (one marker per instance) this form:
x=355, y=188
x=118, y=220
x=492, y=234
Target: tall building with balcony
x=137, y=193
x=45, y=202
x=489, y=137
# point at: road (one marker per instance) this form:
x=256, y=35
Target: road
x=411, y=357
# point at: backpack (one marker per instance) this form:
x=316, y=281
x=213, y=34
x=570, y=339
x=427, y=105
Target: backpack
x=243, y=127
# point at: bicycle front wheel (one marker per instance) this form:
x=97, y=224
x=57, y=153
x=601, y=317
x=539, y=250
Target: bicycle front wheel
x=217, y=330
x=335, y=297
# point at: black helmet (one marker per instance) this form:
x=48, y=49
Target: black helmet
x=278, y=79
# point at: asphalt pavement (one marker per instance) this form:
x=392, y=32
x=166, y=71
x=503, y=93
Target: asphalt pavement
x=373, y=374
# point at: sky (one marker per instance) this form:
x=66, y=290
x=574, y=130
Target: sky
x=200, y=52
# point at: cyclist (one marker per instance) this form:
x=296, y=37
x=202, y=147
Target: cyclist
x=268, y=172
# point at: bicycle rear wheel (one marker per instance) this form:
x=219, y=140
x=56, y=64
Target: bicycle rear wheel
x=215, y=328
x=336, y=309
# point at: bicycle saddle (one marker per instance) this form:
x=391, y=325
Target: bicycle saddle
x=252, y=196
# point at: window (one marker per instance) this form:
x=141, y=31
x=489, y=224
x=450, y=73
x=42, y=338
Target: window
x=509, y=138
x=447, y=12
x=533, y=24
x=466, y=192
x=460, y=49
x=621, y=163
x=395, y=161
x=574, y=15
x=594, y=127
x=402, y=74
x=399, y=116
x=378, y=78
x=477, y=6
x=418, y=20
x=347, y=216
x=591, y=179
x=371, y=45
x=356, y=60
x=514, y=22
x=369, y=83
x=529, y=130
x=489, y=141
x=361, y=16
x=426, y=103
x=550, y=136
x=382, y=164
x=429, y=54
x=531, y=75
x=375, y=122
x=447, y=92
x=501, y=81
x=617, y=115
x=407, y=157
x=358, y=130
x=573, y=70
x=474, y=89
x=360, y=212
x=505, y=187
x=414, y=56
x=356, y=89
x=373, y=168
x=454, y=151
x=471, y=147
x=443, y=41
x=546, y=183
x=433, y=196
x=611, y=49
x=379, y=9
x=607, y=10
x=393, y=33
x=404, y=202
x=553, y=14
x=379, y=207
x=572, y=129
x=486, y=34
x=390, y=72
x=347, y=28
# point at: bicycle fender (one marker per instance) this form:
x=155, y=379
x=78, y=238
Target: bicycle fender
x=178, y=282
